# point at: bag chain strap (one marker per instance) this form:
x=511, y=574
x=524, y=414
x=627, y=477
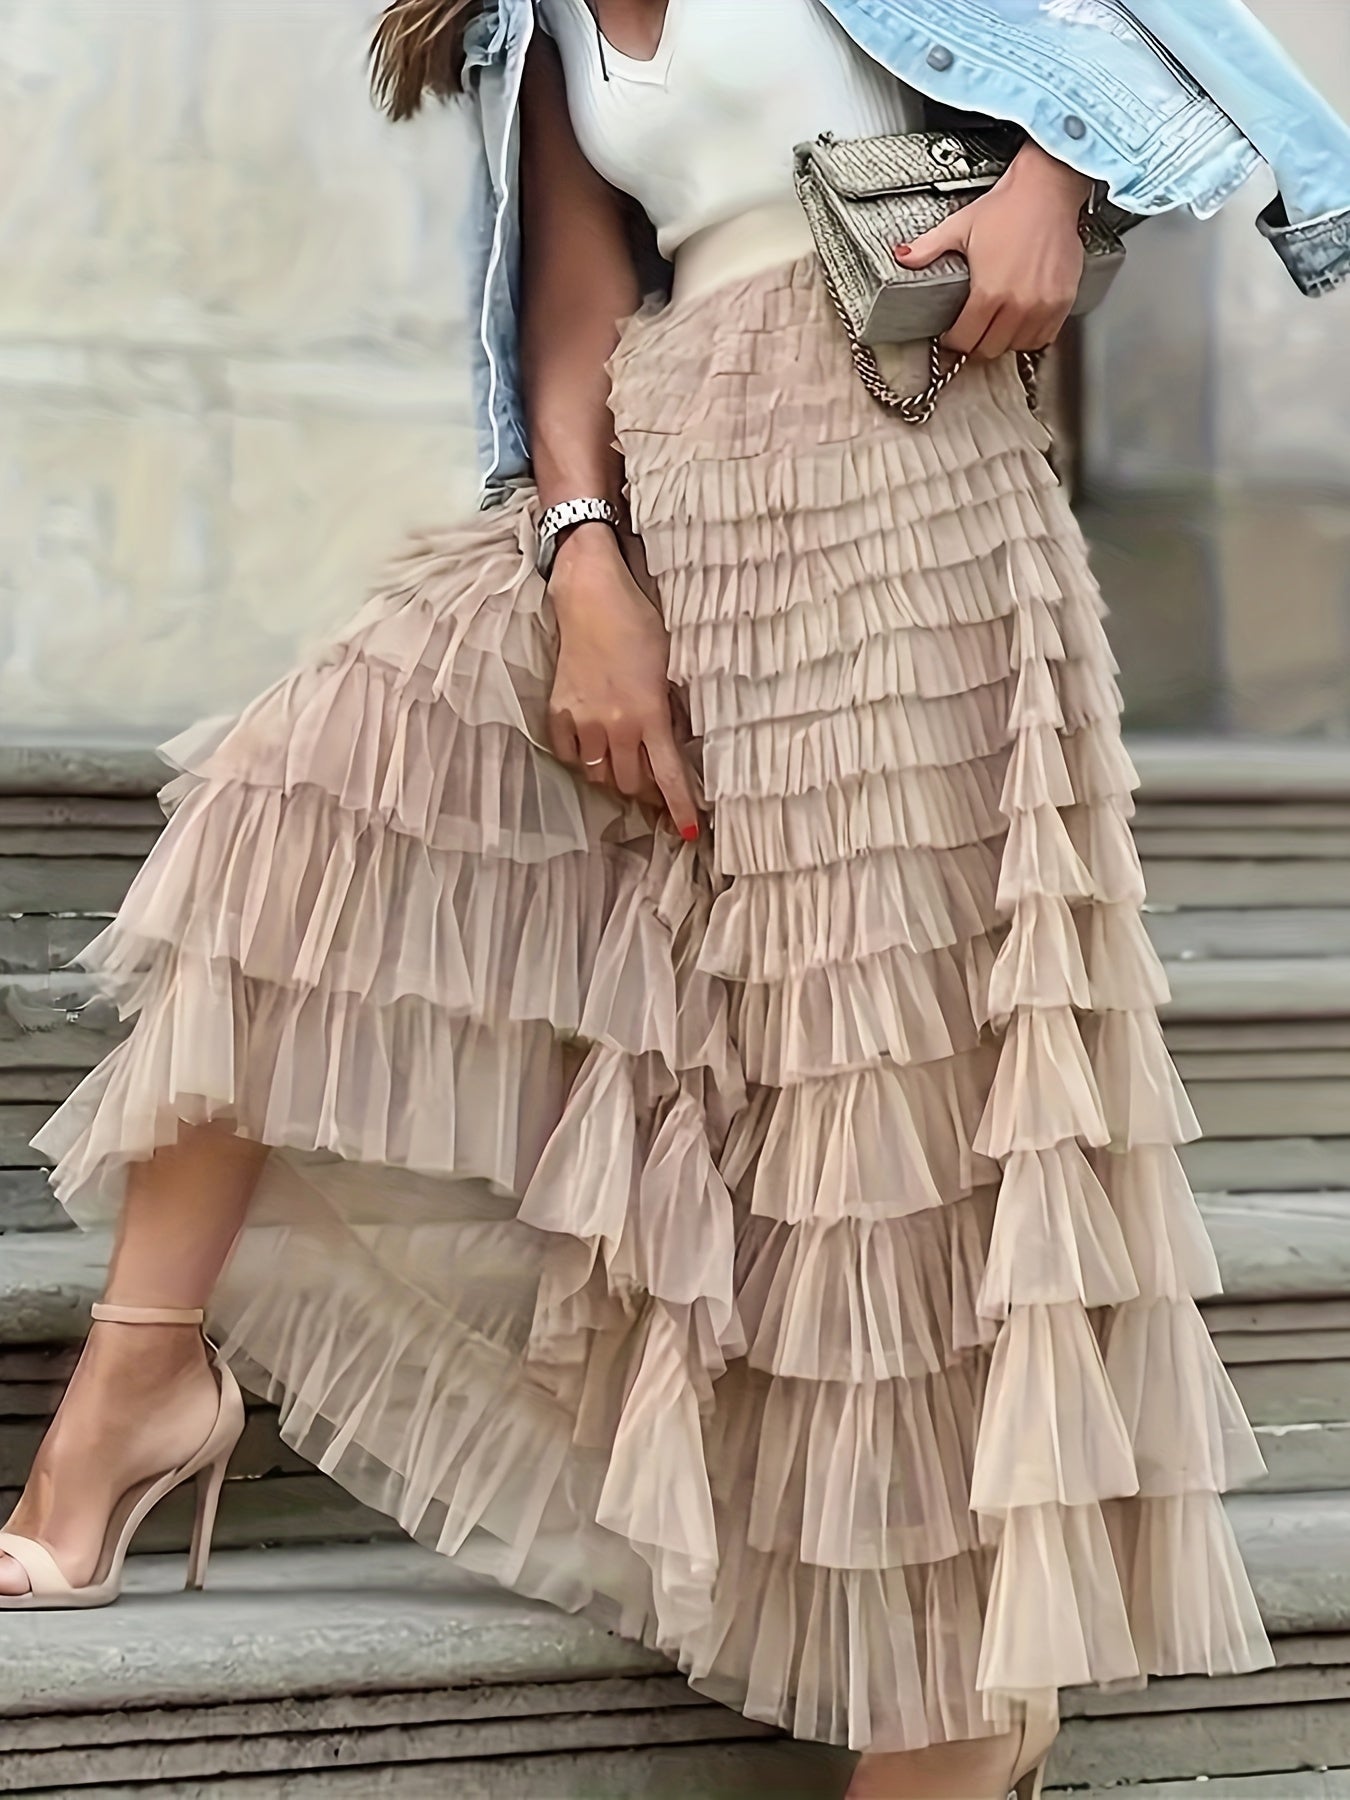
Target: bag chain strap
x=917, y=409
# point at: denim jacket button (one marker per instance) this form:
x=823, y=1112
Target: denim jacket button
x=940, y=57
x=1075, y=126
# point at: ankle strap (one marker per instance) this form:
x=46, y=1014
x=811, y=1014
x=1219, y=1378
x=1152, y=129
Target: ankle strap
x=147, y=1315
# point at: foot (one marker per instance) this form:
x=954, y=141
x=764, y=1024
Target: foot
x=142, y=1400
x=976, y=1769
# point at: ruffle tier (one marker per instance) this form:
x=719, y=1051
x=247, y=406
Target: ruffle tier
x=775, y=1245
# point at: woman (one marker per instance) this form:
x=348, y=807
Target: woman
x=670, y=1055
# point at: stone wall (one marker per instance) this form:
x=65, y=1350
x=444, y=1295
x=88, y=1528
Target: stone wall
x=231, y=350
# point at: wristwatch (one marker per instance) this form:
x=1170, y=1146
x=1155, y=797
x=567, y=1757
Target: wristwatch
x=561, y=518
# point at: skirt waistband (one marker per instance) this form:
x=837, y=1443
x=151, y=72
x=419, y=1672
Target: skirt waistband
x=763, y=238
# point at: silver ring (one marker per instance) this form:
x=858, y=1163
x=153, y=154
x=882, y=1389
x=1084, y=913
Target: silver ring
x=595, y=764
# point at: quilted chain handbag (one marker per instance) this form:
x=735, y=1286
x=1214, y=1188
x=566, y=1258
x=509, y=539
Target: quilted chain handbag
x=863, y=196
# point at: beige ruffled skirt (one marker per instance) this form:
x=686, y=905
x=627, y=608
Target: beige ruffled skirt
x=777, y=1244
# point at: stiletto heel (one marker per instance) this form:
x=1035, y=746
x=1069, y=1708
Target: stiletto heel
x=209, y=1483
x=1038, y=1739
x=1032, y=1784
x=48, y=1588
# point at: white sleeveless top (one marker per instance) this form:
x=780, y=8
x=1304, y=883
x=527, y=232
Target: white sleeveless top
x=703, y=133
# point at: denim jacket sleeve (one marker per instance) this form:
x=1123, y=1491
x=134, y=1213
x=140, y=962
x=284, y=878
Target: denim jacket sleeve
x=495, y=48
x=1307, y=145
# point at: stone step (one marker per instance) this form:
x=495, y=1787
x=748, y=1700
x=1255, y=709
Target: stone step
x=1286, y=817
x=1267, y=1108
x=1305, y=1458
x=1223, y=933
x=1207, y=771
x=1260, y=1165
x=42, y=943
x=365, y=1662
x=74, y=884
x=357, y=1660
x=1291, y=987
x=1258, y=1040
x=743, y=1769
x=1294, y=1784
x=47, y=1282
x=1233, y=1064
x=725, y=1773
x=27, y=1202
x=80, y=772
x=1279, y=1246
x=1251, y=882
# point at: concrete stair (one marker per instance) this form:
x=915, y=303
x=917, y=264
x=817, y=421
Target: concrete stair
x=380, y=1664
x=1247, y=853
x=329, y=1656
x=380, y=1670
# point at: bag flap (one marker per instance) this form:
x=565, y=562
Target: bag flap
x=874, y=167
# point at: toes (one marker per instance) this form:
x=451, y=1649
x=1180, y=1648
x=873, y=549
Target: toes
x=13, y=1582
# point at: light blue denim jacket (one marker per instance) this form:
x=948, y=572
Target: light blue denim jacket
x=1169, y=103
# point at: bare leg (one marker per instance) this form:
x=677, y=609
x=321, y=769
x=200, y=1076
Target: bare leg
x=142, y=1397
x=979, y=1770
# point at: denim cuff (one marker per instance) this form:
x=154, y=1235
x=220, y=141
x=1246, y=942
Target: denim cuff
x=1316, y=252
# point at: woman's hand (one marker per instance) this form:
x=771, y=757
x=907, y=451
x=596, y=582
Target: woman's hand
x=1026, y=257
x=610, y=713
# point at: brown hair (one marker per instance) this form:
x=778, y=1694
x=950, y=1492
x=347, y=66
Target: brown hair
x=418, y=49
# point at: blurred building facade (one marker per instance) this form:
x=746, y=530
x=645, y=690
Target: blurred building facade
x=231, y=326
x=1218, y=446
x=230, y=350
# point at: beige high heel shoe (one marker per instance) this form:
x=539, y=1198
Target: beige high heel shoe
x=48, y=1588
x=1038, y=1740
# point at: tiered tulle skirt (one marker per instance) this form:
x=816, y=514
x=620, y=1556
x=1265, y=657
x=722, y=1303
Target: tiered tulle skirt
x=776, y=1244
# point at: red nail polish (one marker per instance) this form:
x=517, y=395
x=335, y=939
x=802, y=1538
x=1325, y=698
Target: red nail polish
x=902, y=250
x=689, y=833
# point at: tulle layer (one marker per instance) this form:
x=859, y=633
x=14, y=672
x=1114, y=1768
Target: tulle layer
x=776, y=1244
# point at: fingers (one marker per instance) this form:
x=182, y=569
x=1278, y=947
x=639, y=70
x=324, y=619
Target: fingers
x=672, y=777
x=989, y=327
x=632, y=772
x=977, y=315
x=618, y=757
x=951, y=234
x=562, y=737
x=1002, y=333
x=593, y=752
x=1046, y=326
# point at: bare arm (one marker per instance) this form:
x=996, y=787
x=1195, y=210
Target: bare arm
x=610, y=711
x=579, y=282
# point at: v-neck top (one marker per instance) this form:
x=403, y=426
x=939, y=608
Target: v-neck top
x=703, y=132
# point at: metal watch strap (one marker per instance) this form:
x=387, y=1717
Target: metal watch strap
x=562, y=517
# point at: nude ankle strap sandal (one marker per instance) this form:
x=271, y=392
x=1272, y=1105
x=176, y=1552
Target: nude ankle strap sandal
x=48, y=1589
x=1038, y=1739
x=146, y=1315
